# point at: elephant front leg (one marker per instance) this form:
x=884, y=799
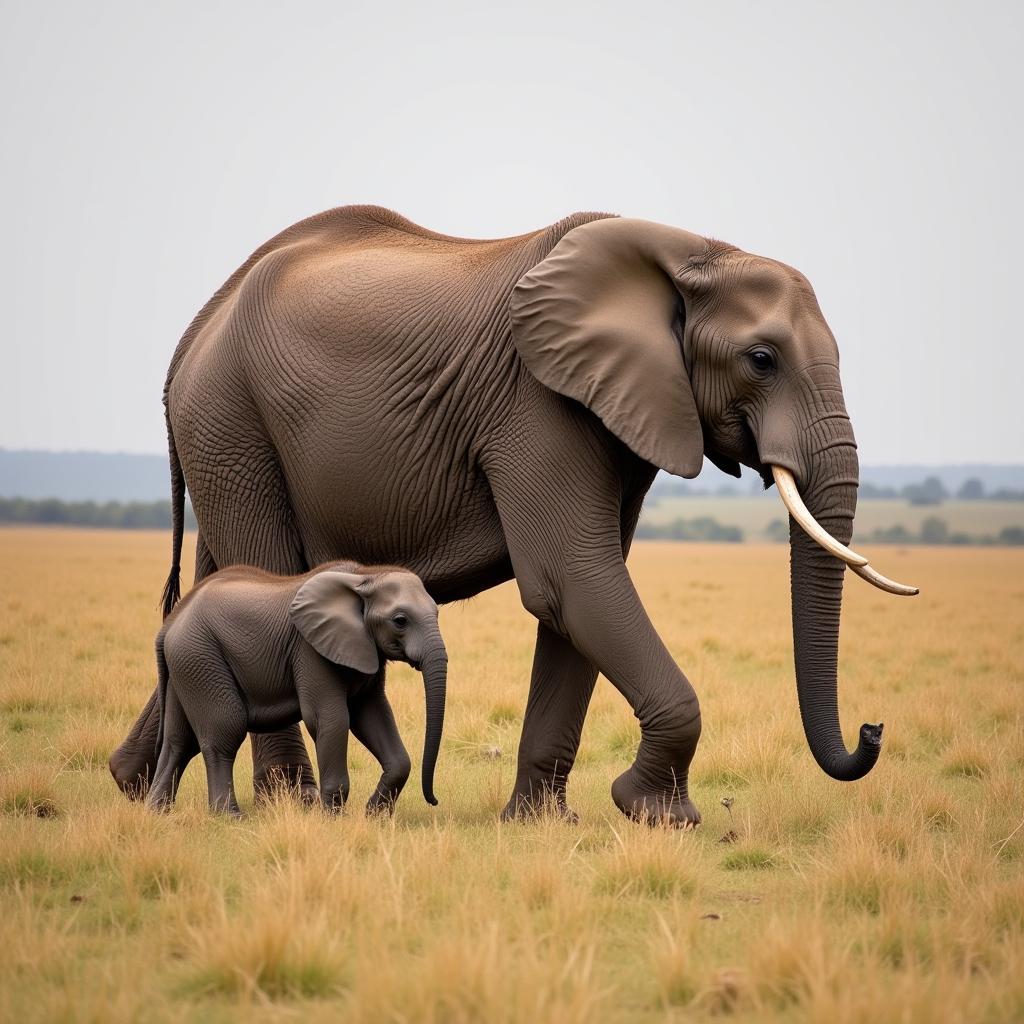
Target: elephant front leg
x=330, y=730
x=373, y=724
x=561, y=686
x=579, y=588
x=603, y=614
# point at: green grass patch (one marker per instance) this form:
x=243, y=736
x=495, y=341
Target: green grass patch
x=750, y=858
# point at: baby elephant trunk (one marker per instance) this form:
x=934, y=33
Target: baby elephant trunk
x=435, y=678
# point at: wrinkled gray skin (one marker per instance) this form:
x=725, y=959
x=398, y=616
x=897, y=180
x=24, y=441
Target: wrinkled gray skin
x=250, y=652
x=482, y=410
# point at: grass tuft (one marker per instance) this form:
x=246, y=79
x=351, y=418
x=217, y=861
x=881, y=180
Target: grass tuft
x=748, y=858
x=966, y=761
x=29, y=791
x=504, y=713
x=278, y=945
x=657, y=865
x=87, y=743
x=672, y=962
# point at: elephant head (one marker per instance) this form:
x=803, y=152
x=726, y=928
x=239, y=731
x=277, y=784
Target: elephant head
x=352, y=618
x=686, y=347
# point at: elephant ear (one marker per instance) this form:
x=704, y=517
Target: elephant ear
x=328, y=611
x=599, y=321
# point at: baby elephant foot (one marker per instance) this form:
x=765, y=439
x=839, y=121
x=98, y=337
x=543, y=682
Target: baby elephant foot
x=670, y=808
x=388, y=790
x=159, y=804
x=333, y=803
x=533, y=799
x=226, y=809
x=380, y=805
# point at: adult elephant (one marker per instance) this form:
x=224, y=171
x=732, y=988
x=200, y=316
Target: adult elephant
x=481, y=410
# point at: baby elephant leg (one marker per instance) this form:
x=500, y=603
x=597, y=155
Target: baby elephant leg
x=373, y=724
x=324, y=705
x=179, y=746
x=214, y=706
x=220, y=769
x=329, y=729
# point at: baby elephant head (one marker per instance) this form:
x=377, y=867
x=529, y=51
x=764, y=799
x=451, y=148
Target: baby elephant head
x=353, y=619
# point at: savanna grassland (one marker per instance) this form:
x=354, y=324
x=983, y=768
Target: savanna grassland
x=897, y=898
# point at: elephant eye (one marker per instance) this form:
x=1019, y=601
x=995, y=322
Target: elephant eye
x=400, y=619
x=762, y=360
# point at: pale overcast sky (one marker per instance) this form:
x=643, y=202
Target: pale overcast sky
x=148, y=148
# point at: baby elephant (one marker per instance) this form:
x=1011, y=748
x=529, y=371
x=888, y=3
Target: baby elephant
x=246, y=651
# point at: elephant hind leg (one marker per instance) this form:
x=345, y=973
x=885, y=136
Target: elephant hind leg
x=205, y=565
x=179, y=747
x=244, y=512
x=209, y=702
x=134, y=763
x=246, y=518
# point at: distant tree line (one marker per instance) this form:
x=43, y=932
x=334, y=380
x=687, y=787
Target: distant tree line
x=129, y=515
x=673, y=487
x=703, y=528
x=930, y=491
x=933, y=530
x=936, y=531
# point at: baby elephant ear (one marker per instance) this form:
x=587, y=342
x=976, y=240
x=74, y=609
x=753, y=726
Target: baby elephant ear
x=328, y=612
x=597, y=321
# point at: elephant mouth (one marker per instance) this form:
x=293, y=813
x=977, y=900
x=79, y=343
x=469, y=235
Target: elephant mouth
x=732, y=444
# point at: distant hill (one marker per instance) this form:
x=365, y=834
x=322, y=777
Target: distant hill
x=102, y=476
x=84, y=476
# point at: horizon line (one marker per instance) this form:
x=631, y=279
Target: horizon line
x=163, y=454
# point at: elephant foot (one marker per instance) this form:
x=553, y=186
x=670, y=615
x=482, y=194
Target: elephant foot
x=132, y=771
x=379, y=807
x=531, y=799
x=133, y=764
x=672, y=808
x=291, y=779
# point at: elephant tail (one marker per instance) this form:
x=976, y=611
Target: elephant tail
x=162, y=676
x=172, y=588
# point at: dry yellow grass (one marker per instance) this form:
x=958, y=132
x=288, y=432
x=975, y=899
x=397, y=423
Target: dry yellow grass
x=897, y=898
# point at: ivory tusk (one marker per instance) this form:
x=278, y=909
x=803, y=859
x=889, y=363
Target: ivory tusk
x=799, y=511
x=876, y=579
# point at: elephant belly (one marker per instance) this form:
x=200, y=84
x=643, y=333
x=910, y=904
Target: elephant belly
x=276, y=715
x=454, y=541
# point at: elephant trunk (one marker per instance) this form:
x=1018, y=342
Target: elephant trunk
x=817, y=596
x=435, y=677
